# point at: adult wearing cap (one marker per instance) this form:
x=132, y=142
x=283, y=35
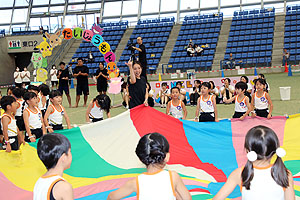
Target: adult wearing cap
x=142, y=56
x=81, y=73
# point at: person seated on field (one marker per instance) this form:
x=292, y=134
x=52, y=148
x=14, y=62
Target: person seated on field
x=215, y=91
x=195, y=92
x=227, y=90
x=164, y=95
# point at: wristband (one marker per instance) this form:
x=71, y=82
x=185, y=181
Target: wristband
x=6, y=142
x=31, y=137
x=49, y=127
x=196, y=118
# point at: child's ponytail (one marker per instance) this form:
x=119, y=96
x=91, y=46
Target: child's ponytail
x=262, y=143
x=280, y=173
x=104, y=102
x=247, y=174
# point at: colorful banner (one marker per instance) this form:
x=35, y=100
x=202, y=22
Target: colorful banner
x=204, y=154
x=188, y=84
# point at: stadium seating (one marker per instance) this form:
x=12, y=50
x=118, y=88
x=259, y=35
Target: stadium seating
x=292, y=33
x=202, y=29
x=251, y=37
x=21, y=31
x=155, y=34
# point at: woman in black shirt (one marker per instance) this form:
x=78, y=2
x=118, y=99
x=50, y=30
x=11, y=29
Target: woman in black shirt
x=138, y=93
x=101, y=76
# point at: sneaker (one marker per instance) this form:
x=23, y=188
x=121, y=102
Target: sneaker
x=161, y=105
x=127, y=107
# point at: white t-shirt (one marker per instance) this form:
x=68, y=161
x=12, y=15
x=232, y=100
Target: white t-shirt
x=192, y=90
x=56, y=117
x=176, y=110
x=215, y=90
x=44, y=185
x=206, y=105
x=191, y=50
x=263, y=186
x=26, y=79
x=19, y=78
x=53, y=77
x=151, y=92
x=198, y=49
x=160, y=182
x=249, y=86
x=230, y=87
x=167, y=91
x=261, y=102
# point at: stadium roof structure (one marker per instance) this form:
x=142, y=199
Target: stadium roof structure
x=30, y=14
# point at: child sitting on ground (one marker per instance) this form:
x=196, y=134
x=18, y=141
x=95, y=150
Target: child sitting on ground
x=54, y=150
x=54, y=115
x=195, y=92
x=260, y=179
x=156, y=183
x=242, y=105
x=176, y=107
x=227, y=90
x=94, y=112
x=206, y=105
x=33, y=118
x=261, y=100
x=182, y=92
x=9, y=124
x=164, y=95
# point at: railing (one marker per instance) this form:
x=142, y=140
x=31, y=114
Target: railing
x=58, y=54
x=242, y=64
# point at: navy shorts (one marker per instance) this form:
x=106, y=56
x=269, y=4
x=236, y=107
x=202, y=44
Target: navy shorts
x=82, y=88
x=207, y=117
x=15, y=144
x=63, y=88
x=37, y=132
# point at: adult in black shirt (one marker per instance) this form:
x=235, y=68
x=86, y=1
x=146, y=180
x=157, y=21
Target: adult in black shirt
x=137, y=88
x=142, y=56
x=101, y=76
x=81, y=72
x=63, y=76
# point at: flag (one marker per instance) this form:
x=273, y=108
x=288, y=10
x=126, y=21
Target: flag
x=204, y=154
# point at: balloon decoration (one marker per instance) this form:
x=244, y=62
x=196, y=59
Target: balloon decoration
x=41, y=75
x=112, y=69
x=97, y=29
x=54, y=39
x=38, y=61
x=45, y=48
x=93, y=36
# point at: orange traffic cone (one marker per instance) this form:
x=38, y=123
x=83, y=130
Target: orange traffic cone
x=286, y=68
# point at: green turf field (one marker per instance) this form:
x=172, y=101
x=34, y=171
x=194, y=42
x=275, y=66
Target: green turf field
x=77, y=115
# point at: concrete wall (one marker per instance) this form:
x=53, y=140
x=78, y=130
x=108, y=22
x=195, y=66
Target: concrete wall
x=8, y=55
x=27, y=43
x=7, y=64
